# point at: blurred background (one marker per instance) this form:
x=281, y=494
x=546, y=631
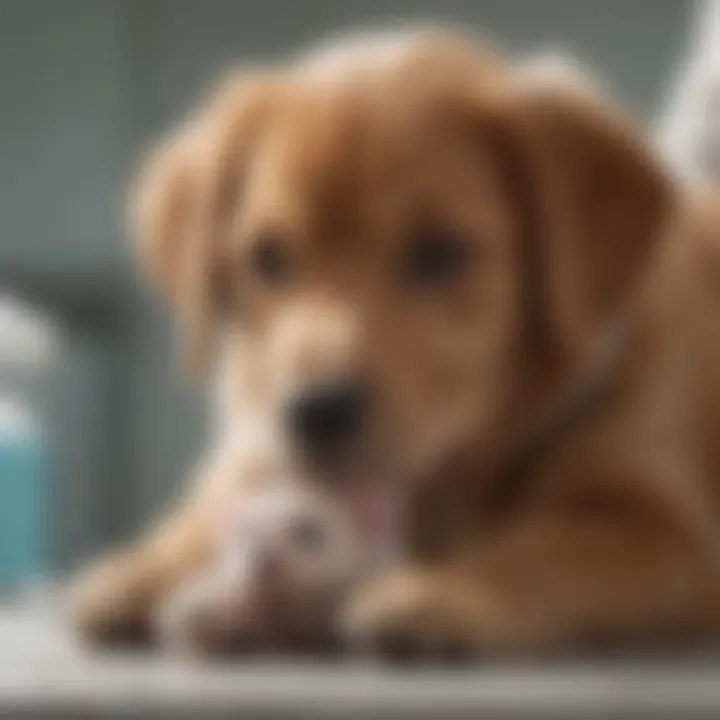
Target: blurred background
x=97, y=427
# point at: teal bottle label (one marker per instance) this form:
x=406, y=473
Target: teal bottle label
x=23, y=493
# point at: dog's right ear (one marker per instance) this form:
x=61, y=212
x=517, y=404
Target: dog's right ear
x=594, y=202
x=162, y=208
x=188, y=191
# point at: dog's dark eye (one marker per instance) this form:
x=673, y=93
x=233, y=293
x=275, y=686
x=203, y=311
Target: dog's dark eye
x=269, y=260
x=433, y=257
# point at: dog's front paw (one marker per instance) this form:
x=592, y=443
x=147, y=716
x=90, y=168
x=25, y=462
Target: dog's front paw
x=415, y=616
x=108, y=603
x=202, y=619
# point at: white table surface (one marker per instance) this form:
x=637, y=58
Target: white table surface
x=44, y=673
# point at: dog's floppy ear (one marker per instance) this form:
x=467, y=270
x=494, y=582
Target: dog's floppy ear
x=162, y=205
x=184, y=201
x=596, y=203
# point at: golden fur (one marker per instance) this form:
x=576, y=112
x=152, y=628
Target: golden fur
x=552, y=415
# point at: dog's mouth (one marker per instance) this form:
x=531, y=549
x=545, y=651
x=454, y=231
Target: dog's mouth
x=365, y=486
x=373, y=504
x=376, y=513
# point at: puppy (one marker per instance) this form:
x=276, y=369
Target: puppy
x=286, y=560
x=446, y=279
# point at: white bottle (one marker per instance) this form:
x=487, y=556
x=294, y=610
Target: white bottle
x=689, y=130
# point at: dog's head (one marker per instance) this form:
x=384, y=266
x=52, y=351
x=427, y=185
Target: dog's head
x=396, y=240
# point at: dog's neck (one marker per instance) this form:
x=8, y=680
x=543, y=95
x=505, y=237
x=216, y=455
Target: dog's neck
x=500, y=471
x=570, y=403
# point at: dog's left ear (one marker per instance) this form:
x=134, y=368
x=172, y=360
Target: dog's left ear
x=595, y=201
x=183, y=204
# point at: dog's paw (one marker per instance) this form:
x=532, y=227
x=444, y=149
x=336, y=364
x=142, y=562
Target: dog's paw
x=108, y=603
x=414, y=616
x=198, y=619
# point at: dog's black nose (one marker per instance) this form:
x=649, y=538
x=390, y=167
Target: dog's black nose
x=326, y=415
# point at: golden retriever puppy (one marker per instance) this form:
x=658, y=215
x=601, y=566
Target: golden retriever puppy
x=448, y=280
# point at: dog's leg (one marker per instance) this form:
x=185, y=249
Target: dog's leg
x=116, y=598
x=552, y=581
